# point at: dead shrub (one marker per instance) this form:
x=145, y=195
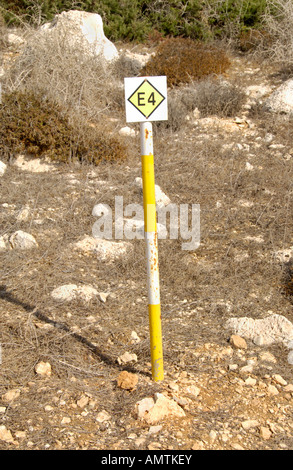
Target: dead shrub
x=254, y=39
x=183, y=60
x=34, y=125
x=210, y=96
x=216, y=97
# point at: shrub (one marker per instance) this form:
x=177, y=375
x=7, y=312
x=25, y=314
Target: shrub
x=215, y=97
x=254, y=39
x=183, y=60
x=36, y=126
x=278, y=22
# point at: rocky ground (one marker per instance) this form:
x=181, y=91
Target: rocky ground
x=75, y=371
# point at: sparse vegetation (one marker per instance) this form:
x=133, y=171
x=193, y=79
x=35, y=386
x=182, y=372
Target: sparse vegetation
x=183, y=60
x=33, y=125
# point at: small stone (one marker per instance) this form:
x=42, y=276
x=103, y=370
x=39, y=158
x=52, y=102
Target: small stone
x=49, y=408
x=249, y=423
x=127, y=380
x=288, y=388
x=3, y=167
x=247, y=369
x=265, y=433
x=43, y=369
x=5, y=435
x=279, y=379
x=11, y=395
x=82, y=402
x=197, y=445
x=127, y=357
x=135, y=338
x=164, y=407
x=213, y=435
x=2, y=409
x=103, y=416
x=266, y=356
x=22, y=240
x=103, y=296
x=236, y=446
x=143, y=406
x=290, y=358
x=193, y=390
x=238, y=342
x=20, y=434
x=272, y=390
x=66, y=420
x=250, y=381
x=155, y=429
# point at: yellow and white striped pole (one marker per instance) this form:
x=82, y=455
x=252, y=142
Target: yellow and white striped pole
x=151, y=237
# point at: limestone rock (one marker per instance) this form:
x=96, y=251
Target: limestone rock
x=35, y=165
x=281, y=100
x=105, y=250
x=69, y=292
x=22, y=240
x=83, y=30
x=5, y=435
x=272, y=329
x=161, y=198
x=127, y=357
x=163, y=408
x=44, y=369
x=3, y=167
x=11, y=395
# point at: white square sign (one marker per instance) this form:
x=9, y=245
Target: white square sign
x=146, y=99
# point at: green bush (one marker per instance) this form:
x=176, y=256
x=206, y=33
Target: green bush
x=37, y=127
x=139, y=19
x=183, y=60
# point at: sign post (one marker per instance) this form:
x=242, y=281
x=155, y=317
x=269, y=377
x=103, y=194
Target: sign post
x=146, y=101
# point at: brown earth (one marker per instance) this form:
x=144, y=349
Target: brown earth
x=246, y=217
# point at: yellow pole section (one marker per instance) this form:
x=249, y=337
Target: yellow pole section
x=151, y=237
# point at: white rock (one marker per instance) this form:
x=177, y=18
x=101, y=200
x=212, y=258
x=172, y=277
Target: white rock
x=127, y=357
x=5, y=435
x=23, y=214
x=66, y=420
x=258, y=91
x=290, y=358
x=69, y=292
x=161, y=198
x=44, y=369
x=144, y=406
x=65, y=293
x=34, y=165
x=3, y=167
x=83, y=30
x=283, y=256
x=15, y=40
x=105, y=250
x=127, y=131
x=11, y=395
x=249, y=423
x=163, y=408
x=281, y=100
x=2, y=244
x=22, y=240
x=103, y=416
x=273, y=329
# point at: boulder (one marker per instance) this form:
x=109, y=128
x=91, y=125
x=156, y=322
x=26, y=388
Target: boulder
x=264, y=331
x=83, y=30
x=281, y=100
x=22, y=240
